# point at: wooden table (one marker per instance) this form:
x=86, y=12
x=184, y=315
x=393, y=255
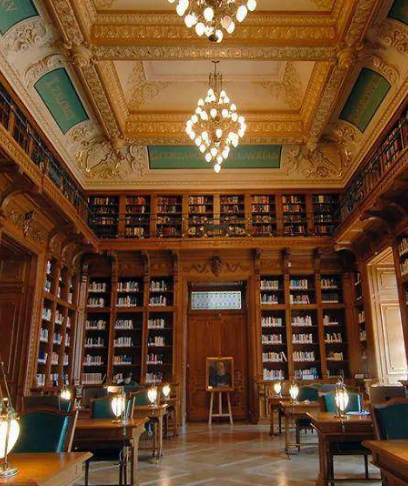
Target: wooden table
x=46, y=469
x=94, y=434
x=391, y=456
x=292, y=413
x=155, y=414
x=331, y=429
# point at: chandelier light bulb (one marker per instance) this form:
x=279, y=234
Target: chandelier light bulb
x=211, y=18
x=218, y=129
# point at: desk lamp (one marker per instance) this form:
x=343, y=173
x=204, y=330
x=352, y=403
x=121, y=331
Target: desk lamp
x=118, y=405
x=293, y=392
x=277, y=388
x=341, y=398
x=9, y=428
x=152, y=395
x=166, y=391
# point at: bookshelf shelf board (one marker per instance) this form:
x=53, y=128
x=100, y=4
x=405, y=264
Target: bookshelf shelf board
x=158, y=308
x=271, y=307
x=303, y=306
x=330, y=305
x=129, y=310
x=98, y=310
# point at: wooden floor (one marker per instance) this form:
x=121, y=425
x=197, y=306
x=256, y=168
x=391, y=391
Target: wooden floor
x=230, y=456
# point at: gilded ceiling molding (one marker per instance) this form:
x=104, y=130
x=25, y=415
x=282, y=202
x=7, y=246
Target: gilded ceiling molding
x=323, y=4
x=299, y=33
x=101, y=4
x=25, y=35
x=361, y=18
x=68, y=23
x=290, y=89
x=113, y=88
x=314, y=91
x=377, y=63
x=154, y=52
x=36, y=70
x=393, y=34
x=140, y=90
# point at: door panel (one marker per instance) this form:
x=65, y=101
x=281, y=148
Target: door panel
x=216, y=334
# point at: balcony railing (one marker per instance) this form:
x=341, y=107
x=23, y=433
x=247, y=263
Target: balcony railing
x=387, y=159
x=23, y=132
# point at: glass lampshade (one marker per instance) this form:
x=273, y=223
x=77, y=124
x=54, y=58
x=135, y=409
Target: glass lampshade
x=9, y=426
x=294, y=391
x=166, y=391
x=66, y=394
x=342, y=399
x=118, y=405
x=277, y=387
x=152, y=395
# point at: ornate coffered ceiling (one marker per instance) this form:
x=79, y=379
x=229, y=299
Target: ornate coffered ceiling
x=138, y=71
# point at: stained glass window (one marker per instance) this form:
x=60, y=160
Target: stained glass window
x=213, y=300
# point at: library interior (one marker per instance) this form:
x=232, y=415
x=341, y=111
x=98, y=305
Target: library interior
x=203, y=242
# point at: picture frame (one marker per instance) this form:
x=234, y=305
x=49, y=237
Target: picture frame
x=219, y=374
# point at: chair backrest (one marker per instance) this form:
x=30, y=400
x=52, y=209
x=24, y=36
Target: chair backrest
x=139, y=399
x=101, y=408
x=390, y=419
x=46, y=430
x=91, y=393
x=308, y=392
x=331, y=387
x=328, y=402
x=383, y=393
x=48, y=401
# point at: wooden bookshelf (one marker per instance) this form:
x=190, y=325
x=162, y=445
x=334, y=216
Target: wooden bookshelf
x=232, y=214
x=263, y=215
x=104, y=212
x=169, y=216
x=294, y=215
x=362, y=324
x=200, y=215
x=325, y=213
x=137, y=217
x=58, y=324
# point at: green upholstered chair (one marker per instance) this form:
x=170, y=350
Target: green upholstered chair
x=331, y=387
x=328, y=402
x=391, y=419
x=48, y=401
x=308, y=392
x=46, y=430
x=101, y=408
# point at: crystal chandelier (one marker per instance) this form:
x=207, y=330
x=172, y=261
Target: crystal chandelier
x=213, y=17
x=216, y=125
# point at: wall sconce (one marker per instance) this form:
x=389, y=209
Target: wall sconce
x=9, y=429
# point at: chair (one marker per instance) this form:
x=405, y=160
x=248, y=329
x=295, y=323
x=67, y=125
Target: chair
x=101, y=408
x=48, y=401
x=139, y=399
x=92, y=393
x=308, y=393
x=328, y=404
x=46, y=430
x=390, y=419
x=383, y=393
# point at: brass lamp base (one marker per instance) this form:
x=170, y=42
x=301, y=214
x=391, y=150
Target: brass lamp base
x=9, y=472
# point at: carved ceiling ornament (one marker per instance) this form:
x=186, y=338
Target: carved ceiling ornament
x=290, y=89
x=27, y=34
x=392, y=34
x=141, y=90
x=323, y=4
x=26, y=222
x=101, y=4
x=216, y=266
x=377, y=63
x=43, y=66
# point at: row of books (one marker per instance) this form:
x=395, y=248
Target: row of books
x=303, y=299
x=95, y=325
x=92, y=360
x=302, y=339
x=272, y=357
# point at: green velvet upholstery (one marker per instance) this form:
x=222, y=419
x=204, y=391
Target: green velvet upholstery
x=42, y=431
x=329, y=400
x=392, y=421
x=141, y=399
x=331, y=387
x=308, y=392
x=101, y=408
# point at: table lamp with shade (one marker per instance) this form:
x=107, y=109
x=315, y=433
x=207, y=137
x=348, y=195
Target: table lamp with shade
x=277, y=388
x=341, y=398
x=9, y=428
x=152, y=395
x=293, y=392
x=166, y=390
x=65, y=393
x=118, y=405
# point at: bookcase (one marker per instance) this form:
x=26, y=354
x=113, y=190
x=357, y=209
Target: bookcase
x=169, y=216
x=129, y=326
x=58, y=324
x=303, y=327
x=142, y=216
x=263, y=215
x=232, y=214
x=294, y=215
x=325, y=213
x=137, y=217
x=362, y=324
x=97, y=327
x=200, y=213
x=104, y=212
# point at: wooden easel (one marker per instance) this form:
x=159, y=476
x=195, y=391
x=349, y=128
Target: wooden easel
x=220, y=407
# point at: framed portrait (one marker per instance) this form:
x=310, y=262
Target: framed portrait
x=220, y=374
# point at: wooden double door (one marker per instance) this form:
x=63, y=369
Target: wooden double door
x=212, y=334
